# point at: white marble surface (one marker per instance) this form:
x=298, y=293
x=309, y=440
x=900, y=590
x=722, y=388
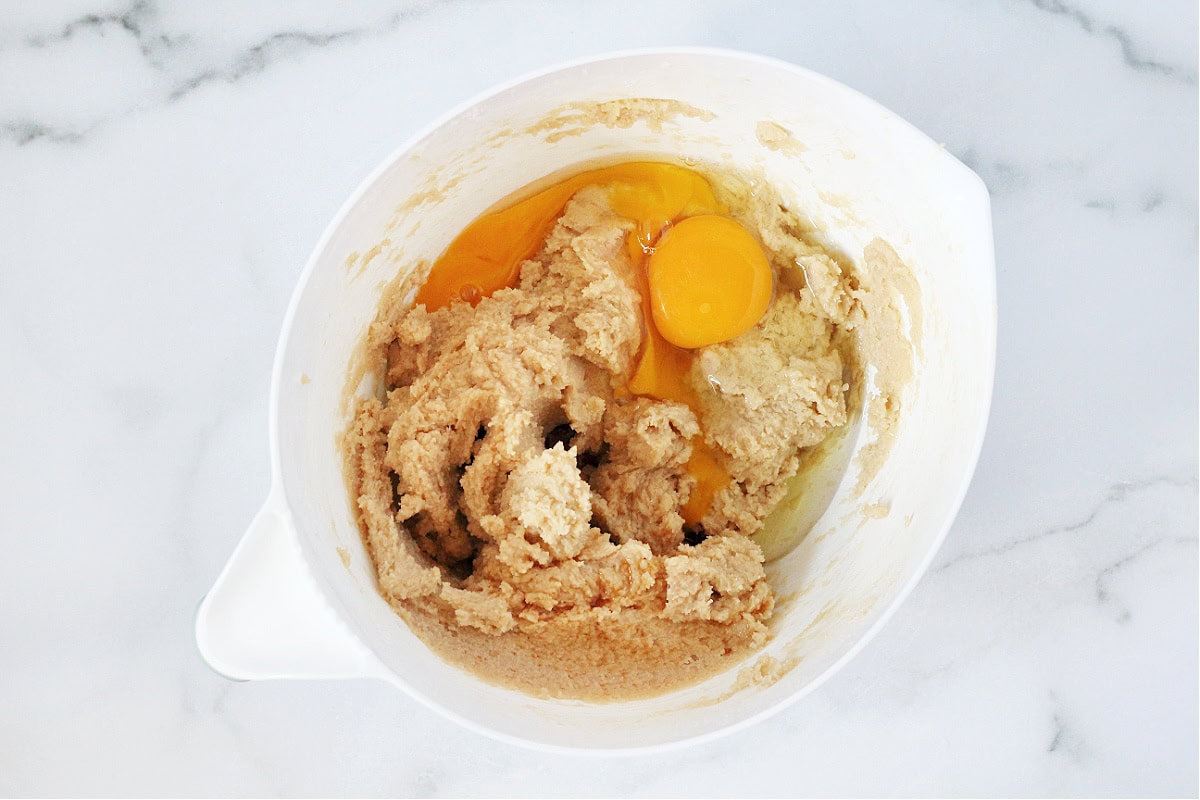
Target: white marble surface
x=164, y=171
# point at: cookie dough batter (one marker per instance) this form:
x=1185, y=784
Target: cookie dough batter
x=524, y=510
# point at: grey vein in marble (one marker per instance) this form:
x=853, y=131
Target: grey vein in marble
x=1153, y=200
x=133, y=21
x=1000, y=176
x=1104, y=594
x=1149, y=203
x=254, y=60
x=1065, y=739
x=23, y=131
x=1116, y=493
x=1005, y=178
x=1130, y=53
x=1103, y=205
x=257, y=58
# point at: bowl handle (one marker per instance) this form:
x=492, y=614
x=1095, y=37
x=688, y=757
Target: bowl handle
x=265, y=617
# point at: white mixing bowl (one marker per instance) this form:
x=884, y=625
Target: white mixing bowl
x=298, y=597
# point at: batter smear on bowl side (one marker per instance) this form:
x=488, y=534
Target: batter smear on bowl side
x=599, y=395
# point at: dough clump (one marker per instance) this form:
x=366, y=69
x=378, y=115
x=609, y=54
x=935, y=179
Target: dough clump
x=523, y=511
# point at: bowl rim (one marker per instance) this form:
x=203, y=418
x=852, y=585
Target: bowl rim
x=461, y=108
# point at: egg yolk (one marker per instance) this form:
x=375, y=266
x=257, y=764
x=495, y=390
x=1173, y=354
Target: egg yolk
x=709, y=282
x=702, y=277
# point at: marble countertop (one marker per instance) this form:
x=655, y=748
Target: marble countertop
x=165, y=170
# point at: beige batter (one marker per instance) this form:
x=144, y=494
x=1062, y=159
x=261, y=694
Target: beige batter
x=523, y=512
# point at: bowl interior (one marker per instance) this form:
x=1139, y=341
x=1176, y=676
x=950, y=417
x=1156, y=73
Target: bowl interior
x=854, y=169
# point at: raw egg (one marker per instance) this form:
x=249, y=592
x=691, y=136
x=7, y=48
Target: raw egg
x=709, y=282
